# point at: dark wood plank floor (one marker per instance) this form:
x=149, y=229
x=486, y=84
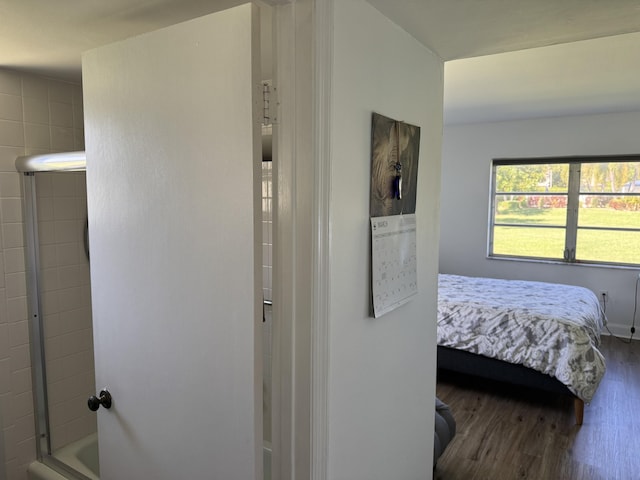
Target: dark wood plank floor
x=505, y=432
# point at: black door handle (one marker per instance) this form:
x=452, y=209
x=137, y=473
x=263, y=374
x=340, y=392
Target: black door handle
x=104, y=400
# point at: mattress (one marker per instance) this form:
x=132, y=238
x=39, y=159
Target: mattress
x=552, y=328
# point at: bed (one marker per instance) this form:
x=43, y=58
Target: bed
x=534, y=334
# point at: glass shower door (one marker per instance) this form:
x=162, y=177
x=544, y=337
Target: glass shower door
x=62, y=333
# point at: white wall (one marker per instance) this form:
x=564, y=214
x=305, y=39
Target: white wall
x=382, y=371
x=466, y=159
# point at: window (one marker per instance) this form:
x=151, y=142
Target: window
x=578, y=210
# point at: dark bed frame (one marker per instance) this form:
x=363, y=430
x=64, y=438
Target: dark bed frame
x=469, y=363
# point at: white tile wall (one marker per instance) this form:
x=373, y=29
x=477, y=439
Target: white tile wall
x=267, y=227
x=11, y=133
x=10, y=107
x=37, y=115
x=10, y=83
x=267, y=263
x=266, y=373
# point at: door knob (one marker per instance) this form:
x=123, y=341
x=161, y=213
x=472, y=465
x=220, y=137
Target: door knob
x=104, y=400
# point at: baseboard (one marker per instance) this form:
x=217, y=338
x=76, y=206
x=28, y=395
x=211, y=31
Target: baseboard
x=618, y=330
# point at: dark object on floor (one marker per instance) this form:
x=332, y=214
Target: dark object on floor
x=445, y=429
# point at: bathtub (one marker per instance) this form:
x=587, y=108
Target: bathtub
x=82, y=456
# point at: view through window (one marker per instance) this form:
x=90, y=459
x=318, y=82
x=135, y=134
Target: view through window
x=583, y=210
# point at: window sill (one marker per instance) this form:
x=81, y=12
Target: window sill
x=613, y=266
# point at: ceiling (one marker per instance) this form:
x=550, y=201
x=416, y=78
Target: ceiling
x=579, y=78
x=481, y=81
x=47, y=37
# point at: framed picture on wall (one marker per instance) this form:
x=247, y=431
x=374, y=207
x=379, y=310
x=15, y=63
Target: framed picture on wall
x=395, y=147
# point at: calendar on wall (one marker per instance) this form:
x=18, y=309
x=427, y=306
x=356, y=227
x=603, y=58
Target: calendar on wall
x=394, y=276
x=394, y=180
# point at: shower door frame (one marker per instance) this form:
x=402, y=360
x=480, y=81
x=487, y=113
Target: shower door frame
x=28, y=166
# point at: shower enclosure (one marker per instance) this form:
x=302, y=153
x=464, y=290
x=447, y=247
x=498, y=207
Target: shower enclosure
x=59, y=303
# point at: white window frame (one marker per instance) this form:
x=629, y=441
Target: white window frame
x=573, y=197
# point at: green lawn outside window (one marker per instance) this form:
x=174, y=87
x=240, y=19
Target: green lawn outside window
x=549, y=210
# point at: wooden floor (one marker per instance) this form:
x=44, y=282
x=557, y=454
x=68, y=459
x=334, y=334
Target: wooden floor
x=505, y=432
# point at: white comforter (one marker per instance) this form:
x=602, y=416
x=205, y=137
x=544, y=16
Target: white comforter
x=549, y=327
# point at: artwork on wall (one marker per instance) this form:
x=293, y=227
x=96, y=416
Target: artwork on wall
x=394, y=179
x=394, y=166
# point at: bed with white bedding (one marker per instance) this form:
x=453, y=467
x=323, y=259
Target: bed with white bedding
x=550, y=329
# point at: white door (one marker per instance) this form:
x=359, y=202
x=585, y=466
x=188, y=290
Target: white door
x=172, y=135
